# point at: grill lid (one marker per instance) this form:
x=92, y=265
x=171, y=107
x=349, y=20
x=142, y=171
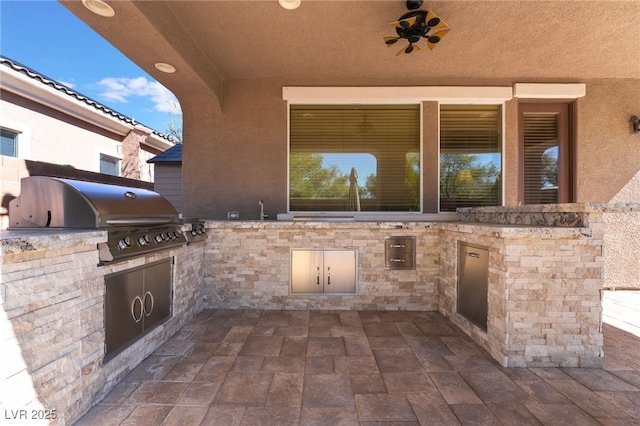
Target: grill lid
x=66, y=203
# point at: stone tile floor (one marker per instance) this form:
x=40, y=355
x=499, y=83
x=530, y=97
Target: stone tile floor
x=362, y=368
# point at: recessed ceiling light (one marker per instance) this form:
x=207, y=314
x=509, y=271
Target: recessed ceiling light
x=289, y=4
x=99, y=8
x=169, y=69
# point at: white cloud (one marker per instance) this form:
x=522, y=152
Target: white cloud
x=121, y=89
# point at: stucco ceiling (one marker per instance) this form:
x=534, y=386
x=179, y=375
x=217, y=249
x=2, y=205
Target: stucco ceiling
x=335, y=42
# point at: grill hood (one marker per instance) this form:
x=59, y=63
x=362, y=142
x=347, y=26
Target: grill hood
x=66, y=203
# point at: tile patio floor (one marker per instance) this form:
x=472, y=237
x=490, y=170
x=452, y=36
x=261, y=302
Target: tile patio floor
x=362, y=368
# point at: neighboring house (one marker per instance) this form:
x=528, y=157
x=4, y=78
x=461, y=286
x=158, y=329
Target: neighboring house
x=168, y=175
x=46, y=125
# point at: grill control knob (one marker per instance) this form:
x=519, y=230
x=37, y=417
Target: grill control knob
x=124, y=243
x=159, y=238
x=144, y=240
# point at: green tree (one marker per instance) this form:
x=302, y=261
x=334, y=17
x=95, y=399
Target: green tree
x=465, y=176
x=412, y=180
x=549, y=170
x=309, y=179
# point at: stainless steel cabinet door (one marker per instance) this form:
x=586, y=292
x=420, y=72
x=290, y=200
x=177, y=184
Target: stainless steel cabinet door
x=473, y=280
x=323, y=271
x=340, y=271
x=307, y=271
x=123, y=310
x=157, y=293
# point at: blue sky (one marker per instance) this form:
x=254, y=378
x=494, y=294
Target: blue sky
x=46, y=37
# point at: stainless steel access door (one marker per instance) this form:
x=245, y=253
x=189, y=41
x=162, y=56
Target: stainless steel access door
x=323, y=271
x=340, y=271
x=123, y=309
x=157, y=293
x=473, y=281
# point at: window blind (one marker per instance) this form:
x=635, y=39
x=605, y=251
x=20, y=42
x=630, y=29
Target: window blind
x=470, y=156
x=380, y=142
x=540, y=166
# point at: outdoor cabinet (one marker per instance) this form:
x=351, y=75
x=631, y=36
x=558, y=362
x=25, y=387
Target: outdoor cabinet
x=136, y=300
x=473, y=281
x=323, y=271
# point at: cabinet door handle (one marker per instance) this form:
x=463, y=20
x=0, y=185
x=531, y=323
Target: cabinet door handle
x=148, y=296
x=475, y=255
x=133, y=308
x=328, y=275
x=318, y=276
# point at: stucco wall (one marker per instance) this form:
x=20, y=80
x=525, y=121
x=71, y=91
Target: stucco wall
x=239, y=156
x=622, y=250
x=54, y=137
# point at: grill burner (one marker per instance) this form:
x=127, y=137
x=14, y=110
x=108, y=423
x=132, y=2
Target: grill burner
x=138, y=221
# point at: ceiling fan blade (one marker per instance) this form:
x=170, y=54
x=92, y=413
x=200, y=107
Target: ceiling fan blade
x=434, y=22
x=391, y=40
x=435, y=38
x=410, y=48
x=404, y=23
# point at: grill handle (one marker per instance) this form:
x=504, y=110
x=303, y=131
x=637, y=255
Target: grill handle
x=139, y=221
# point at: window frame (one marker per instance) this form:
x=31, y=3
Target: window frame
x=117, y=161
x=357, y=213
x=567, y=158
x=16, y=142
x=397, y=95
x=502, y=105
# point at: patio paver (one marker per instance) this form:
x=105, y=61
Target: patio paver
x=359, y=368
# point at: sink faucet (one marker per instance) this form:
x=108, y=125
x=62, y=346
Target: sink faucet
x=262, y=215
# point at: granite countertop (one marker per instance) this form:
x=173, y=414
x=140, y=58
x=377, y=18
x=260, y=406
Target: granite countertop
x=17, y=241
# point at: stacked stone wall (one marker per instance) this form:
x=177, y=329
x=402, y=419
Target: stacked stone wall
x=248, y=266
x=52, y=320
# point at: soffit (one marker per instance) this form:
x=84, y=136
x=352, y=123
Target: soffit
x=341, y=42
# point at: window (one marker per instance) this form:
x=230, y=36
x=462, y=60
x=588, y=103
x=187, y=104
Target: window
x=546, y=154
x=109, y=165
x=8, y=143
x=470, y=156
x=354, y=158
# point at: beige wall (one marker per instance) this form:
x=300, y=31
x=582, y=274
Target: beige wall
x=238, y=156
x=54, y=137
x=48, y=135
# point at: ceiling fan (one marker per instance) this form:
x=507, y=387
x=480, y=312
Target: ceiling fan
x=417, y=24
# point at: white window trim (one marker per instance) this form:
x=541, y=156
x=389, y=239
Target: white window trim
x=395, y=95
x=115, y=154
x=549, y=90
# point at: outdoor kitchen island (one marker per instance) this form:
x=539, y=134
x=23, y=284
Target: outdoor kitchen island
x=545, y=274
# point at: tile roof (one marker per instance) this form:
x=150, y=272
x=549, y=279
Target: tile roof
x=171, y=155
x=16, y=66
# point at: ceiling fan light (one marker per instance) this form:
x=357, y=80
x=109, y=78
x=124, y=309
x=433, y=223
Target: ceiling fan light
x=99, y=8
x=289, y=4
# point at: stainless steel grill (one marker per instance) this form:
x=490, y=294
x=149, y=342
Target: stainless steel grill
x=138, y=221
